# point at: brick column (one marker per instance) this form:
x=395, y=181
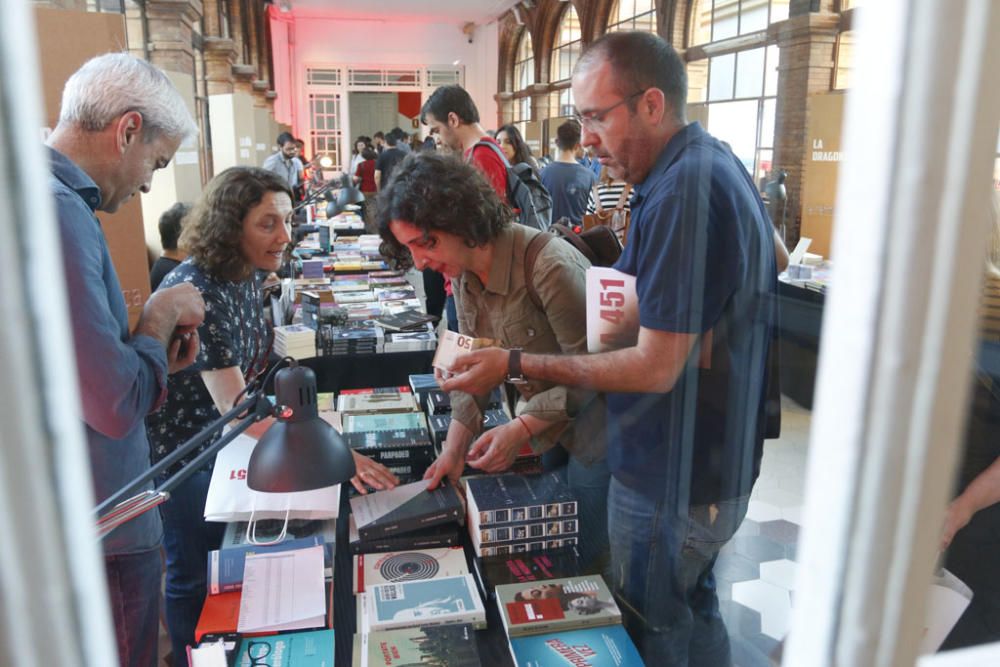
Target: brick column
x=220, y=56
x=171, y=28
x=805, y=66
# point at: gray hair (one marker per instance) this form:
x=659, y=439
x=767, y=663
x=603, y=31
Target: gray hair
x=112, y=84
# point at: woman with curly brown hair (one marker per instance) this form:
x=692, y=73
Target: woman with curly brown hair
x=440, y=213
x=237, y=232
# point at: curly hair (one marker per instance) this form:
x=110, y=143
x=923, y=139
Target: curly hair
x=439, y=193
x=214, y=228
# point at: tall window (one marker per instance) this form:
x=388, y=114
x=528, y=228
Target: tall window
x=632, y=15
x=567, y=45
x=715, y=20
x=524, y=76
x=739, y=88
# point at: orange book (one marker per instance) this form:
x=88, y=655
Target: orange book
x=221, y=614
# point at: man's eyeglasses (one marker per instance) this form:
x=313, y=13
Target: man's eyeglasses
x=257, y=652
x=595, y=119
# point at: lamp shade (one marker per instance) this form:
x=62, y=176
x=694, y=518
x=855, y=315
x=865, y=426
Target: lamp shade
x=300, y=451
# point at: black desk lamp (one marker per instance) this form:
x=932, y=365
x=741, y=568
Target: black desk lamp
x=299, y=452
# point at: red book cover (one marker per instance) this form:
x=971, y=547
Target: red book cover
x=534, y=611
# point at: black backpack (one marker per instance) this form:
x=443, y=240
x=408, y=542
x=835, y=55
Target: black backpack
x=521, y=191
x=539, y=194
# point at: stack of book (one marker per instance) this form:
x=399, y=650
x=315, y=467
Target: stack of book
x=572, y=620
x=384, y=423
x=331, y=340
x=406, y=517
x=225, y=564
x=295, y=340
x=512, y=514
x=409, y=341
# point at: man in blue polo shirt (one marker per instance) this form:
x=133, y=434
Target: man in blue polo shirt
x=685, y=404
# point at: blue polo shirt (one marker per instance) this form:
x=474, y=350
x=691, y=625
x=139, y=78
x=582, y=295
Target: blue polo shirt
x=701, y=248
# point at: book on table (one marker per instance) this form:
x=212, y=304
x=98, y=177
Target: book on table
x=505, y=499
x=443, y=535
x=391, y=421
x=225, y=566
x=409, y=565
x=406, y=320
x=556, y=605
x=525, y=569
x=445, y=601
x=377, y=400
x=439, y=645
x=608, y=646
x=293, y=649
x=405, y=508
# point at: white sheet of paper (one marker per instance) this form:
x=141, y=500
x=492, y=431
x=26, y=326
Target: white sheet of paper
x=209, y=655
x=795, y=257
x=283, y=591
x=946, y=602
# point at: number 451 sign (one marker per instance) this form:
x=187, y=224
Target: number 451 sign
x=612, y=310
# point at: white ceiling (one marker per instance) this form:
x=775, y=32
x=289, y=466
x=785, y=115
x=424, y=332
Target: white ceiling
x=479, y=12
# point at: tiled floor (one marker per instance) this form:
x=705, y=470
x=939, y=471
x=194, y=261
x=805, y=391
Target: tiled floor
x=756, y=570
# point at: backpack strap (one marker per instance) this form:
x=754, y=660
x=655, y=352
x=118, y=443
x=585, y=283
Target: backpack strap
x=531, y=253
x=624, y=197
x=597, y=199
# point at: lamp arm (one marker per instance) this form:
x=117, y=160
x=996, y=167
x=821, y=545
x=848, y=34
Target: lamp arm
x=115, y=511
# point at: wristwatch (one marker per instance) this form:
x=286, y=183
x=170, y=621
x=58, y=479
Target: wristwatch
x=514, y=373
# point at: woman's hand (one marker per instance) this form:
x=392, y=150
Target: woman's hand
x=371, y=473
x=496, y=449
x=450, y=463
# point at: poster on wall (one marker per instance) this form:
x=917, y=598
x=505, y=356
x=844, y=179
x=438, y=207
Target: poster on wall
x=822, y=164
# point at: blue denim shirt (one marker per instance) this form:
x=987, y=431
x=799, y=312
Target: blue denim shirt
x=121, y=377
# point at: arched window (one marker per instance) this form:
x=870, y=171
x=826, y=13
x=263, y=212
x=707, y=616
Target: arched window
x=567, y=46
x=524, y=76
x=734, y=92
x=632, y=15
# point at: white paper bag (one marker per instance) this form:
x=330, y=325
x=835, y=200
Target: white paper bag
x=230, y=499
x=946, y=603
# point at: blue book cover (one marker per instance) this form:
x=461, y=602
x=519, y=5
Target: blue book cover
x=593, y=647
x=225, y=566
x=294, y=649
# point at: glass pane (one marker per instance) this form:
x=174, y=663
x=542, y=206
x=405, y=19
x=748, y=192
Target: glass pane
x=753, y=16
x=736, y=123
x=771, y=71
x=767, y=123
x=765, y=158
x=697, y=72
x=642, y=6
x=750, y=73
x=720, y=80
x=726, y=19
x=996, y=174
x=702, y=33
x=779, y=10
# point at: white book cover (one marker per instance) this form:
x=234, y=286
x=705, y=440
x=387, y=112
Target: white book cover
x=612, y=310
x=414, y=565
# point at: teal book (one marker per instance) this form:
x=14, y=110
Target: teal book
x=594, y=647
x=293, y=649
x=407, y=604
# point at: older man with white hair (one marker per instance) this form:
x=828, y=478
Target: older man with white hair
x=121, y=119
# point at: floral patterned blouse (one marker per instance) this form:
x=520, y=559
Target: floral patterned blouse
x=234, y=333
